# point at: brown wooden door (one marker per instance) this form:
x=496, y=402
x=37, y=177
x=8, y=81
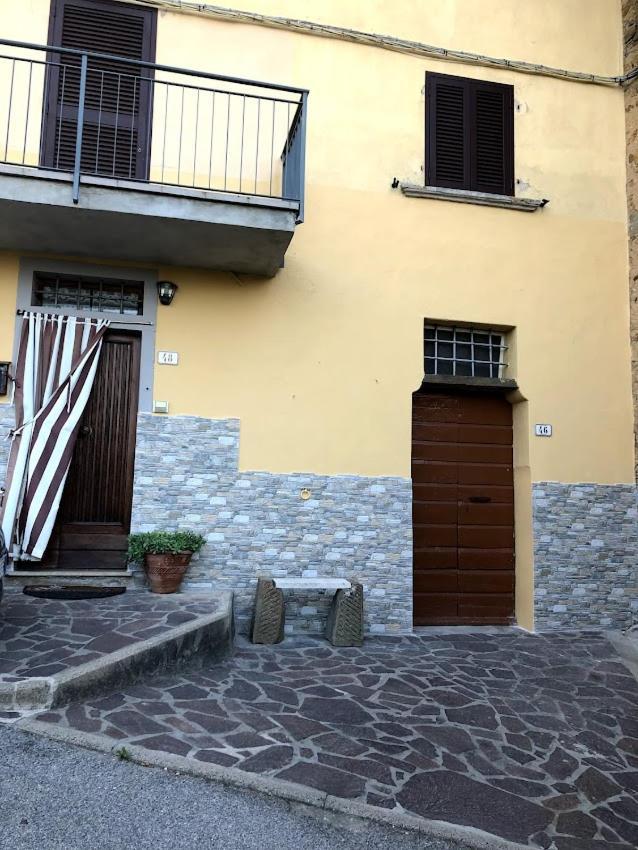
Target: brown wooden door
x=119, y=96
x=95, y=513
x=463, y=509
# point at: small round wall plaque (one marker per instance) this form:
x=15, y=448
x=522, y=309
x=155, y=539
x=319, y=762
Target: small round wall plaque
x=305, y=494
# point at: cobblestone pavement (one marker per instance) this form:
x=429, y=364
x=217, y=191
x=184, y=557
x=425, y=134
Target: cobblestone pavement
x=40, y=637
x=533, y=738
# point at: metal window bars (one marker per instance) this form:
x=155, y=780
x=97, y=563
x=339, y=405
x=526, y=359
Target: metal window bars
x=88, y=294
x=100, y=115
x=464, y=351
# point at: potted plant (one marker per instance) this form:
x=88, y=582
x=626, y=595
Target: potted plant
x=165, y=555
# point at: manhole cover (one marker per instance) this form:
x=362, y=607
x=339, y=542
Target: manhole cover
x=71, y=591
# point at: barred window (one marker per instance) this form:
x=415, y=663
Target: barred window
x=469, y=352
x=90, y=294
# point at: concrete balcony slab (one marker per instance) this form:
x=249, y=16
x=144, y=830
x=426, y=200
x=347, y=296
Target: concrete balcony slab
x=144, y=222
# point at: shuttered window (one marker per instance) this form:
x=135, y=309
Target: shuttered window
x=469, y=134
x=117, y=118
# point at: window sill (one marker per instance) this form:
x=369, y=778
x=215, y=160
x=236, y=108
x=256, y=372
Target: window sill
x=464, y=196
x=449, y=381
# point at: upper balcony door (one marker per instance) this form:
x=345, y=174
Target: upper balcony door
x=118, y=104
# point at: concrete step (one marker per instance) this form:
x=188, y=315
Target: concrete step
x=55, y=652
x=110, y=578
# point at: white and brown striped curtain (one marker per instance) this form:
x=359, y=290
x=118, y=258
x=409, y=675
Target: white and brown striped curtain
x=55, y=370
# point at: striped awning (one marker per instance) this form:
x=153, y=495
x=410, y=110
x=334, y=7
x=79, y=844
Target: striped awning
x=55, y=370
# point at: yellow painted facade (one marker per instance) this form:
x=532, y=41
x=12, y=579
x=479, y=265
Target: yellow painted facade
x=320, y=362
x=335, y=340
x=310, y=359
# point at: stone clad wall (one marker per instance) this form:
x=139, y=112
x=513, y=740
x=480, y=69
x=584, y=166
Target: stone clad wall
x=186, y=476
x=7, y=422
x=585, y=555
x=630, y=32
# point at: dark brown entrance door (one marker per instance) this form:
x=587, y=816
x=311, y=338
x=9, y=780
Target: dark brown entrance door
x=95, y=513
x=463, y=509
x=118, y=101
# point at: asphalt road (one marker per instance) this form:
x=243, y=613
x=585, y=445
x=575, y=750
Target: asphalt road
x=53, y=796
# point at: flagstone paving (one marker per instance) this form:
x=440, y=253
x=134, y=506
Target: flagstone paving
x=43, y=637
x=533, y=738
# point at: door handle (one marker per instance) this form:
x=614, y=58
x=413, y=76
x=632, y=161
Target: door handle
x=85, y=431
x=480, y=500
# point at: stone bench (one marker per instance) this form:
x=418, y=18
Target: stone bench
x=345, y=618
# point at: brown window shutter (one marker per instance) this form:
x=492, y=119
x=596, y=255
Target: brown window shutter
x=469, y=134
x=492, y=130
x=447, y=127
x=116, y=138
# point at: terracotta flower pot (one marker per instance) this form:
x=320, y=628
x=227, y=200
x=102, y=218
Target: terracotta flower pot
x=165, y=572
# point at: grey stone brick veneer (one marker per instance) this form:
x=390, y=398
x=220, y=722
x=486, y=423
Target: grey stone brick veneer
x=187, y=476
x=585, y=555
x=7, y=422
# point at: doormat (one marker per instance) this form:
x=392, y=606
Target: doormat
x=71, y=591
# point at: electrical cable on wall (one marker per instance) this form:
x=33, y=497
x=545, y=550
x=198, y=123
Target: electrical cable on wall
x=387, y=42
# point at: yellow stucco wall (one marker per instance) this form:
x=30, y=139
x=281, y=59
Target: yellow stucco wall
x=320, y=362
x=8, y=291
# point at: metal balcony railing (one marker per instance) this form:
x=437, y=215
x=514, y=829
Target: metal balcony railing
x=99, y=115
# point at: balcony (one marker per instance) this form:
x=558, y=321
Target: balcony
x=107, y=157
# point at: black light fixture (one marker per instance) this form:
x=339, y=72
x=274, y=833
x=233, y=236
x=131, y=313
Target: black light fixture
x=4, y=378
x=166, y=290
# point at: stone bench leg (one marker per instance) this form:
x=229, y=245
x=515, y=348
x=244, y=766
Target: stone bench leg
x=268, y=615
x=345, y=619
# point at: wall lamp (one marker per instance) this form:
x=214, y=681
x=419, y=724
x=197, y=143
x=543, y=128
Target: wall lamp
x=166, y=290
x=4, y=378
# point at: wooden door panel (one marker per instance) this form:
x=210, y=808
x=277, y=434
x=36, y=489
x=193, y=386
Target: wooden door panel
x=478, y=410
x=433, y=608
x=94, y=559
x=435, y=535
x=486, y=559
x=448, y=452
x=434, y=492
x=463, y=509
x=82, y=541
x=496, y=493
x=436, y=411
x=486, y=607
x=484, y=473
x=446, y=432
x=485, y=537
x=426, y=472
x=483, y=453
x=492, y=434
x=118, y=97
x=486, y=582
x=434, y=513
x=434, y=401
x=437, y=581
x=486, y=514
x=435, y=558
x=95, y=512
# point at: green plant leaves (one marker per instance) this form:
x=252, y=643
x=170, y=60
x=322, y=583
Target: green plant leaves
x=163, y=542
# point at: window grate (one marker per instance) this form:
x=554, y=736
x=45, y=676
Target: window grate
x=88, y=294
x=464, y=352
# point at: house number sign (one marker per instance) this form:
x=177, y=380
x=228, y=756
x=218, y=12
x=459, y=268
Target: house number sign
x=167, y=358
x=543, y=430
